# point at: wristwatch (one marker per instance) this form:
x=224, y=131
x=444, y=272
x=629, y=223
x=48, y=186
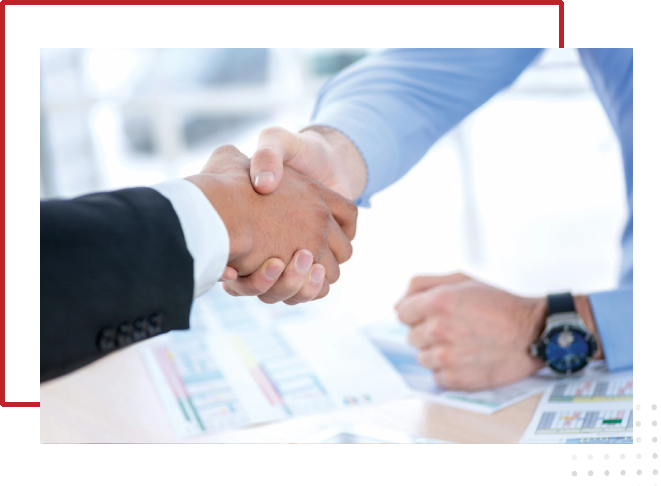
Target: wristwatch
x=566, y=345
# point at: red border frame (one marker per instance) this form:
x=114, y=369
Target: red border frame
x=561, y=22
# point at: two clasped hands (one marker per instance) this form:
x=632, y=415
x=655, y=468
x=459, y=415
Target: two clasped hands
x=291, y=219
x=288, y=221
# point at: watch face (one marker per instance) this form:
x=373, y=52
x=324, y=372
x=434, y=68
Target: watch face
x=568, y=349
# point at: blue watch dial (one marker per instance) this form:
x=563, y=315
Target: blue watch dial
x=567, y=349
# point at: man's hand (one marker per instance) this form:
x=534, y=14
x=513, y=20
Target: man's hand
x=471, y=335
x=268, y=232
x=321, y=153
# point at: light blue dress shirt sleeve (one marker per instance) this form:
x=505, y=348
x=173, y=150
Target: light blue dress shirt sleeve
x=611, y=72
x=393, y=106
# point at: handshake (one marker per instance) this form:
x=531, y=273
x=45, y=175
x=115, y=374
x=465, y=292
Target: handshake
x=290, y=232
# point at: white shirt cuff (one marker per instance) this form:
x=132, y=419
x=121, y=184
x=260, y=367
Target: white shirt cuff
x=205, y=233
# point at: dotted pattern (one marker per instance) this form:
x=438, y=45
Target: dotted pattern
x=622, y=456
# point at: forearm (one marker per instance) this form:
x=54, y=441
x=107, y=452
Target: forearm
x=344, y=154
x=395, y=105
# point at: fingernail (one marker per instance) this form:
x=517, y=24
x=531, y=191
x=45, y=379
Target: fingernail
x=272, y=271
x=264, y=178
x=303, y=261
x=317, y=274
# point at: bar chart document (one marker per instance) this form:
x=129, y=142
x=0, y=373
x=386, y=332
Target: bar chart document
x=593, y=409
x=242, y=365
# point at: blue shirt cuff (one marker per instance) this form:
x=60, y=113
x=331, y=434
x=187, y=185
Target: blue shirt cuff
x=613, y=315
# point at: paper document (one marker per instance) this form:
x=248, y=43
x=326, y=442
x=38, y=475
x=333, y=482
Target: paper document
x=391, y=339
x=596, y=408
x=238, y=367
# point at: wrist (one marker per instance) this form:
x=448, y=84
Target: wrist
x=222, y=193
x=584, y=310
x=349, y=168
x=536, y=319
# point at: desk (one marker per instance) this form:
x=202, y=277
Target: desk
x=113, y=400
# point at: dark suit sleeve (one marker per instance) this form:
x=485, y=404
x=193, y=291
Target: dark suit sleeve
x=115, y=269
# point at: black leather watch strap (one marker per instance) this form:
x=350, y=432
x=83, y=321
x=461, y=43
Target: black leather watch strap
x=560, y=303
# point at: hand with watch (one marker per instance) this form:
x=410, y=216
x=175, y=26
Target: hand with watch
x=475, y=336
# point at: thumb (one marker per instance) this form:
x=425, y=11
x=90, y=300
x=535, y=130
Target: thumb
x=275, y=147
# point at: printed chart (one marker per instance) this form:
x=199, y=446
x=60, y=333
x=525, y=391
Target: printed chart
x=286, y=380
x=597, y=390
x=197, y=393
x=596, y=409
x=585, y=421
x=245, y=366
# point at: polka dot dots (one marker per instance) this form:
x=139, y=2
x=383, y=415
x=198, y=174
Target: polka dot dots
x=573, y=473
x=653, y=407
x=606, y=456
x=639, y=472
x=655, y=455
x=638, y=424
x=638, y=407
x=573, y=457
x=623, y=472
x=638, y=456
x=606, y=473
x=622, y=456
x=590, y=457
x=655, y=472
x=653, y=439
x=653, y=423
x=638, y=439
x=590, y=473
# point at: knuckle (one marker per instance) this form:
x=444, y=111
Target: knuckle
x=272, y=132
x=229, y=289
x=415, y=282
x=323, y=293
x=353, y=212
x=260, y=286
x=450, y=378
x=441, y=357
x=344, y=253
x=268, y=299
x=225, y=150
x=445, y=299
x=333, y=273
x=435, y=333
x=447, y=358
x=307, y=293
x=322, y=214
x=264, y=154
x=350, y=232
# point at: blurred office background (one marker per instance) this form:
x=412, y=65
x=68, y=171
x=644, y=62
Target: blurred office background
x=527, y=193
